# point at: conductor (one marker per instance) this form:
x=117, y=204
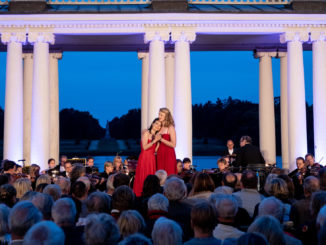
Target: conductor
x=248, y=153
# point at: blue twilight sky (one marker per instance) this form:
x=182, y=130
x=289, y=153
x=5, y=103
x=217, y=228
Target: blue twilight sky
x=108, y=84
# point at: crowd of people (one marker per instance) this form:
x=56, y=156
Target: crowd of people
x=194, y=208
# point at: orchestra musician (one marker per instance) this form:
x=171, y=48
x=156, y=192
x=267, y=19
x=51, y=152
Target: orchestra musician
x=230, y=152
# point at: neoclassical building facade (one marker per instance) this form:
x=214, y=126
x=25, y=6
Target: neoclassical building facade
x=35, y=35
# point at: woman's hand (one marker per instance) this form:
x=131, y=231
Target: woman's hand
x=157, y=138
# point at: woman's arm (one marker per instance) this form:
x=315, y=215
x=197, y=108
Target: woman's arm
x=173, y=138
x=145, y=138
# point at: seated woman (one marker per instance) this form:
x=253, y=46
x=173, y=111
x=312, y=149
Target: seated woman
x=202, y=189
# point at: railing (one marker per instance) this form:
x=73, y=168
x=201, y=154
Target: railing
x=108, y=2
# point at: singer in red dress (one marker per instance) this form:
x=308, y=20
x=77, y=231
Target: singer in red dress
x=166, y=158
x=146, y=161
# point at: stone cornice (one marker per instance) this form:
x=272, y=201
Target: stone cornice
x=139, y=23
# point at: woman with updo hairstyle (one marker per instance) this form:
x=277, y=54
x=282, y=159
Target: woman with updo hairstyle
x=166, y=158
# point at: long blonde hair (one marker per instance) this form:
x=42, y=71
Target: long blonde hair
x=168, y=121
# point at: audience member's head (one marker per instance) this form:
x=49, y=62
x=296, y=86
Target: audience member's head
x=175, y=189
x=158, y=202
x=203, y=217
x=203, y=182
x=53, y=190
x=318, y=200
x=151, y=186
x=271, y=206
x=289, y=184
x=279, y=189
x=43, y=179
x=64, y=184
x=162, y=175
x=130, y=222
x=79, y=190
x=4, y=220
x=101, y=229
x=45, y=233
x=121, y=179
x=268, y=182
x=9, y=166
x=123, y=198
x=22, y=217
x=249, y=179
x=310, y=185
x=98, y=202
x=270, y=228
x=252, y=239
x=44, y=203
x=76, y=172
x=22, y=186
x=166, y=231
x=8, y=195
x=64, y=212
x=136, y=239
x=226, y=207
x=229, y=179
x=86, y=181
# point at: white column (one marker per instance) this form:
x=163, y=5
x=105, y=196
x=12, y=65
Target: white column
x=319, y=94
x=284, y=110
x=169, y=80
x=28, y=82
x=13, y=114
x=266, y=107
x=182, y=93
x=40, y=145
x=156, y=77
x=296, y=96
x=144, y=57
x=54, y=106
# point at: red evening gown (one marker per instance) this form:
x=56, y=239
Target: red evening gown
x=166, y=158
x=146, y=166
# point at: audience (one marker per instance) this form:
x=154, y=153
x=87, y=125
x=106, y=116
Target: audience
x=85, y=210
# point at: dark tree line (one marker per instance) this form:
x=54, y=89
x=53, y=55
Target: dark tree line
x=224, y=119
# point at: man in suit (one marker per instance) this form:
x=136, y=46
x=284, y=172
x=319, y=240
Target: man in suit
x=248, y=153
x=230, y=152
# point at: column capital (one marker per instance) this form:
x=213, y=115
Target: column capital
x=57, y=55
x=142, y=55
x=41, y=37
x=184, y=35
x=157, y=34
x=291, y=36
x=261, y=54
x=169, y=55
x=15, y=36
x=318, y=36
